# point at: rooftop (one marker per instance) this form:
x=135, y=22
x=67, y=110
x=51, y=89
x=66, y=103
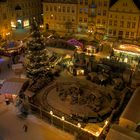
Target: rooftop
x=132, y=110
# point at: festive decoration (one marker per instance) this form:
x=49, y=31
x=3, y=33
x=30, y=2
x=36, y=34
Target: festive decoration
x=36, y=57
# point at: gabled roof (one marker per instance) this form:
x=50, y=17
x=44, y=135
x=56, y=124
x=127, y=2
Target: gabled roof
x=132, y=5
x=136, y=2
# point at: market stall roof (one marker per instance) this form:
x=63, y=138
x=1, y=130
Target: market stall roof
x=12, y=86
x=120, y=133
x=132, y=49
x=75, y=42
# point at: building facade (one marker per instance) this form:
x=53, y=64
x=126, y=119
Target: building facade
x=124, y=20
x=23, y=12
x=4, y=21
x=120, y=20
x=60, y=16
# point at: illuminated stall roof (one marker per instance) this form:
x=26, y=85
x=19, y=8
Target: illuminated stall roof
x=75, y=42
x=128, y=48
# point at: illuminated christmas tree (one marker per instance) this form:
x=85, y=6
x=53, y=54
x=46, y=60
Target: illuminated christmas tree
x=36, y=60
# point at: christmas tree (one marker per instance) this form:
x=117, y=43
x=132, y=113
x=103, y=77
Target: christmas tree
x=36, y=56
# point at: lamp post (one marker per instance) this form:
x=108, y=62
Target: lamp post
x=63, y=119
x=51, y=113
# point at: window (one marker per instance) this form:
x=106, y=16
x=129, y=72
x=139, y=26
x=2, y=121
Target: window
x=55, y=8
x=86, y=10
x=99, y=12
x=73, y=19
x=63, y=9
x=98, y=21
x=103, y=22
x=59, y=9
x=64, y=18
x=120, y=33
x=80, y=19
x=128, y=24
x=127, y=34
x=47, y=8
x=80, y=10
x=110, y=22
x=55, y=17
x=99, y=4
x=115, y=22
x=73, y=10
x=50, y=8
x=81, y=1
x=4, y=16
x=132, y=34
x=104, y=13
x=114, y=33
x=105, y=3
x=121, y=23
x=68, y=9
x=86, y=2
x=133, y=24
x=85, y=19
x=110, y=31
x=111, y=16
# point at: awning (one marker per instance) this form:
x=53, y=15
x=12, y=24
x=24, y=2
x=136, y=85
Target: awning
x=12, y=86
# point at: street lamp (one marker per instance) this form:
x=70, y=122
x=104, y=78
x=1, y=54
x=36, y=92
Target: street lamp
x=51, y=113
x=63, y=119
x=79, y=125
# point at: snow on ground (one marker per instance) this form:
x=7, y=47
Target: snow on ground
x=11, y=127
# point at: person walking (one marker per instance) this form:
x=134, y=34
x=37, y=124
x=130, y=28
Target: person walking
x=25, y=127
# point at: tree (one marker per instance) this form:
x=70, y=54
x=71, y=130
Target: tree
x=36, y=59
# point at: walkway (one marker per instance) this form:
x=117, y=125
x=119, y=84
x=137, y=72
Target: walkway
x=11, y=127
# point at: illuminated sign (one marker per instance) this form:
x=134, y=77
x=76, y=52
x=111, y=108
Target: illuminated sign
x=13, y=24
x=26, y=23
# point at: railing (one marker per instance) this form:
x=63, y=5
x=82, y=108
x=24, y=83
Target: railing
x=63, y=123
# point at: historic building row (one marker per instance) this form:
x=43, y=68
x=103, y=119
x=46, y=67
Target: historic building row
x=119, y=20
